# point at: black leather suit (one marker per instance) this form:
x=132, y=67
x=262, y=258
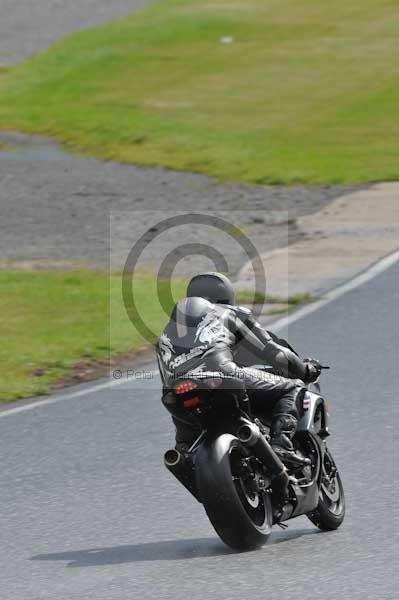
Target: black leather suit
x=202, y=336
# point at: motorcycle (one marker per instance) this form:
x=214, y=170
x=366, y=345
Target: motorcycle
x=232, y=470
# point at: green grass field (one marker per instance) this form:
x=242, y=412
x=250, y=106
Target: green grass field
x=49, y=322
x=306, y=92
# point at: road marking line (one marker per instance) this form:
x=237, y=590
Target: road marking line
x=89, y=390
x=372, y=272
x=367, y=275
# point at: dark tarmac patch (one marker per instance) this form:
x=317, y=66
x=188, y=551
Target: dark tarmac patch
x=26, y=26
x=55, y=208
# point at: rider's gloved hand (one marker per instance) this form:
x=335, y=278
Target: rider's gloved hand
x=313, y=368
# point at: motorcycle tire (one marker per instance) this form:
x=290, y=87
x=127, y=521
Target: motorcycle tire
x=330, y=511
x=241, y=517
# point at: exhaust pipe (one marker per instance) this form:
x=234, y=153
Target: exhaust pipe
x=250, y=435
x=172, y=458
x=182, y=468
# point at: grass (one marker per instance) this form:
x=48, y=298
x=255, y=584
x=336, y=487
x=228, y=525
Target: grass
x=299, y=299
x=306, y=92
x=49, y=322
x=250, y=297
x=287, y=305
x=283, y=305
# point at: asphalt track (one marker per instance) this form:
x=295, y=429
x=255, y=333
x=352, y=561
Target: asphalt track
x=26, y=26
x=89, y=512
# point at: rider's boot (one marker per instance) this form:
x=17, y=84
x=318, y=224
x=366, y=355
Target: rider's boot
x=283, y=430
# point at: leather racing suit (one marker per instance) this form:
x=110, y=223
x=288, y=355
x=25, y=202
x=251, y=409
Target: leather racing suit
x=202, y=336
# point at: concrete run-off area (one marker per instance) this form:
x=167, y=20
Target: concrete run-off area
x=339, y=241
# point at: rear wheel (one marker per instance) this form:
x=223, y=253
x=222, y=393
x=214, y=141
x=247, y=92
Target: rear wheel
x=330, y=511
x=232, y=491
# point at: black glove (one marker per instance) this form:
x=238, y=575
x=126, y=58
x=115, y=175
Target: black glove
x=313, y=368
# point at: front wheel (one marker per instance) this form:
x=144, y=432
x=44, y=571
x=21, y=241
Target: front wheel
x=231, y=491
x=330, y=511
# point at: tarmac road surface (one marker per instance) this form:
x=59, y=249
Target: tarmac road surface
x=26, y=26
x=89, y=512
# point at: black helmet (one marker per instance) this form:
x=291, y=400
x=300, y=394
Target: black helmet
x=214, y=287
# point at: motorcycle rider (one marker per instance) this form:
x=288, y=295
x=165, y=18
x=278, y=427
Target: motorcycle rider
x=208, y=332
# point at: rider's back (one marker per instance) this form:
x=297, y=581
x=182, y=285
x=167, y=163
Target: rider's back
x=196, y=331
